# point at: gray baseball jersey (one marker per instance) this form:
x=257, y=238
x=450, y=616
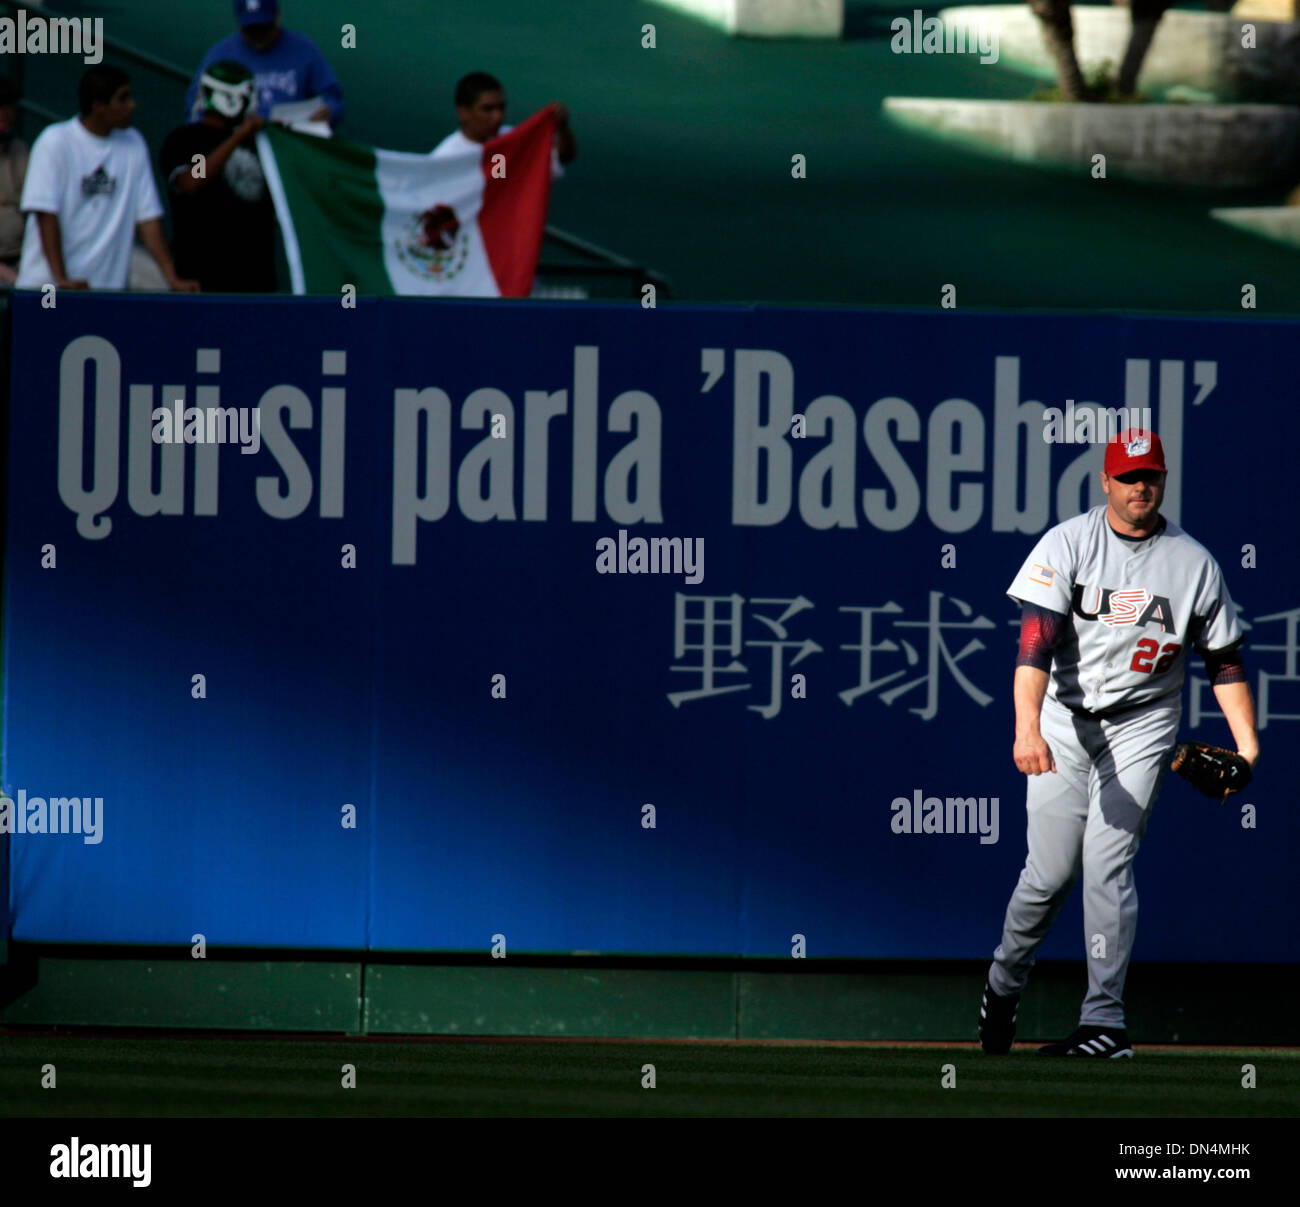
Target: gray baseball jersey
x=1136, y=608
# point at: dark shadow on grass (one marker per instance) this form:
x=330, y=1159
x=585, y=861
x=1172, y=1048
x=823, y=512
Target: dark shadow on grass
x=18, y=976
x=866, y=21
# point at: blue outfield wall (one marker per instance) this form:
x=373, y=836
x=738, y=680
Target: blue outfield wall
x=476, y=557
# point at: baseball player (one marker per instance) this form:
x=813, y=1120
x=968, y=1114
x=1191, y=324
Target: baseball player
x=1113, y=601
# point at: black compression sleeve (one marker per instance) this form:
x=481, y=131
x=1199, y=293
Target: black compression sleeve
x=1225, y=667
x=1040, y=633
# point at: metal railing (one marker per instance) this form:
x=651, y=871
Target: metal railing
x=598, y=263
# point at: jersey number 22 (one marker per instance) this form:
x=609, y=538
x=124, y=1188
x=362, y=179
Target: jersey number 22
x=1147, y=649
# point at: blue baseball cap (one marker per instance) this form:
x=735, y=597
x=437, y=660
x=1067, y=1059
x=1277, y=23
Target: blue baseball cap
x=256, y=12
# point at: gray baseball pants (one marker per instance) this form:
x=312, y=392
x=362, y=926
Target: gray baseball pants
x=1089, y=816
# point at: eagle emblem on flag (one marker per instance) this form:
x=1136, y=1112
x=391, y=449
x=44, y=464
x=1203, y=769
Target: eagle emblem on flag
x=434, y=245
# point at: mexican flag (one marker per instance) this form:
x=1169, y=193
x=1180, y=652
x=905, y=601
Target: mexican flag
x=391, y=222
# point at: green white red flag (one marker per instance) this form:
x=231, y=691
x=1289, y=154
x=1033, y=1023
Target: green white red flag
x=390, y=222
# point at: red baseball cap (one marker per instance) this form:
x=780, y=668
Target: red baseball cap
x=1134, y=448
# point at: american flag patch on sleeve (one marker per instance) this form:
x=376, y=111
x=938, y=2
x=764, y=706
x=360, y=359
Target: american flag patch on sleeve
x=1041, y=574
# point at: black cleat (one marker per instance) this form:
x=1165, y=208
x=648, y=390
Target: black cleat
x=1110, y=1043
x=997, y=1021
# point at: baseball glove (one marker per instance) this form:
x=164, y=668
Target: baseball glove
x=1210, y=769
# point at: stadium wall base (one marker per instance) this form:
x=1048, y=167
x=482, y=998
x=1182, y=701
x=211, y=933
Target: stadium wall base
x=622, y=997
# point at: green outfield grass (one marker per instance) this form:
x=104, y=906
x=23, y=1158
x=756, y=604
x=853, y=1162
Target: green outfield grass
x=184, y=1076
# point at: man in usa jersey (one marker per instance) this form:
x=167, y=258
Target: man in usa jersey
x=1113, y=601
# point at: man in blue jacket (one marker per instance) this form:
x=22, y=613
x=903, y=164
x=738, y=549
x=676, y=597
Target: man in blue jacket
x=286, y=65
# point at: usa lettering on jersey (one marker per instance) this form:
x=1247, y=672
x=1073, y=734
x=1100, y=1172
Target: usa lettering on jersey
x=1135, y=606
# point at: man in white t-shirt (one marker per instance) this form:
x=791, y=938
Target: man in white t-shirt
x=89, y=188
x=481, y=110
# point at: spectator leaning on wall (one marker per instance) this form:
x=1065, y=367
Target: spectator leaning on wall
x=89, y=187
x=286, y=65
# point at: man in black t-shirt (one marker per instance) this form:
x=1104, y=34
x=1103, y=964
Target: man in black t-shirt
x=222, y=217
